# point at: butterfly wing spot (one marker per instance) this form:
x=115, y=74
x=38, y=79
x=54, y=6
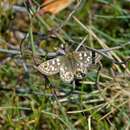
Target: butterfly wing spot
x=58, y=60
x=53, y=62
x=80, y=56
x=88, y=58
x=85, y=54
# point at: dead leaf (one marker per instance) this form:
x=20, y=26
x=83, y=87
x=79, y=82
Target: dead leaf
x=54, y=6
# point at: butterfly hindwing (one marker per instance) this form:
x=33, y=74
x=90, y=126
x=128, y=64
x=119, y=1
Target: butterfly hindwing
x=50, y=67
x=66, y=73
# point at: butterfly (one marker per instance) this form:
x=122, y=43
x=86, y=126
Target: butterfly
x=73, y=65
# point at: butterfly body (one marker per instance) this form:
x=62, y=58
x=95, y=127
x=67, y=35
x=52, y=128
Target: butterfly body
x=70, y=66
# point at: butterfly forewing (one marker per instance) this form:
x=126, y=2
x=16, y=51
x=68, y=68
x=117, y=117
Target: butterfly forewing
x=86, y=58
x=82, y=60
x=50, y=67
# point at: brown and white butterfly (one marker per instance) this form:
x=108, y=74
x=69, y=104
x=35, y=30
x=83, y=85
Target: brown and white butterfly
x=70, y=66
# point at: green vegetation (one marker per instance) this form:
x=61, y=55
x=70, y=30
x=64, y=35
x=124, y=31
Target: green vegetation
x=31, y=101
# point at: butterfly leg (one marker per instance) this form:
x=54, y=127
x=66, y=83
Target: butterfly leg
x=49, y=84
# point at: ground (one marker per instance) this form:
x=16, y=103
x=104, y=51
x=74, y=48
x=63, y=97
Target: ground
x=30, y=100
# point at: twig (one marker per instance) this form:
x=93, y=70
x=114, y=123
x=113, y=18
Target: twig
x=19, y=8
x=13, y=52
x=69, y=16
x=81, y=44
